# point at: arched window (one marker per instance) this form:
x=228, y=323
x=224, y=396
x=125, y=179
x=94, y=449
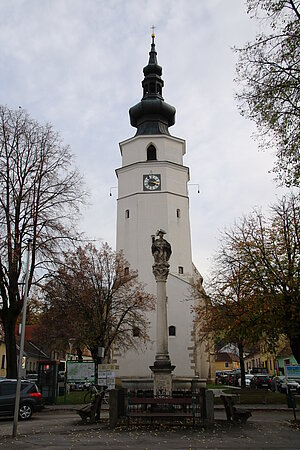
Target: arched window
x=127, y=213
x=180, y=270
x=172, y=330
x=178, y=213
x=151, y=153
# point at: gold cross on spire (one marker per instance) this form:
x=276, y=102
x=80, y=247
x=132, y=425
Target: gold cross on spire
x=153, y=31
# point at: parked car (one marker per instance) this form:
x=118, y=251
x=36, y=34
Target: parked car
x=32, y=377
x=233, y=377
x=222, y=377
x=293, y=386
x=31, y=399
x=248, y=378
x=261, y=381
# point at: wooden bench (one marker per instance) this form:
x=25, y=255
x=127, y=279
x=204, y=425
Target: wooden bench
x=233, y=413
x=92, y=410
x=160, y=407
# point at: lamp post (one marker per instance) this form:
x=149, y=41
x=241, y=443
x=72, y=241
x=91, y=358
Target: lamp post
x=71, y=343
x=21, y=348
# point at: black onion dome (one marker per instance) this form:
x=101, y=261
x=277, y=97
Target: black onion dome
x=152, y=115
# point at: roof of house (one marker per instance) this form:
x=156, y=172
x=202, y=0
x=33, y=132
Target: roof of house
x=31, y=349
x=226, y=357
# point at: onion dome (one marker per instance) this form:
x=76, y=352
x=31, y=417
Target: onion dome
x=152, y=115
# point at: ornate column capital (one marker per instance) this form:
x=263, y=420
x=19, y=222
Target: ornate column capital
x=161, y=271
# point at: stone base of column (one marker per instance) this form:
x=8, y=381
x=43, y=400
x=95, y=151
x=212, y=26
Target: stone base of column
x=162, y=370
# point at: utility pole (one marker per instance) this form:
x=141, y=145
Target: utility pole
x=21, y=349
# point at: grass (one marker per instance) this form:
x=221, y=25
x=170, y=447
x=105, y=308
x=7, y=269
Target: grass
x=73, y=398
x=247, y=396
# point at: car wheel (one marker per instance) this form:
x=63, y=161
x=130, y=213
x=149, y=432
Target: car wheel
x=25, y=411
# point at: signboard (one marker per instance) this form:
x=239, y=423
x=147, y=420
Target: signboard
x=292, y=371
x=80, y=371
x=107, y=375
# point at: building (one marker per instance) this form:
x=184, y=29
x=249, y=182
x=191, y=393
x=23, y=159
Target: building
x=227, y=361
x=152, y=195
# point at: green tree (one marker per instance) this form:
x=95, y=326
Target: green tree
x=40, y=195
x=268, y=75
x=97, y=299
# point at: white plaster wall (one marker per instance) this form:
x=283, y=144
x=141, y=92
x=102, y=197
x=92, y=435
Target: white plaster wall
x=136, y=363
x=149, y=211
x=168, y=148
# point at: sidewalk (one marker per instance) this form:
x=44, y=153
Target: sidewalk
x=61, y=429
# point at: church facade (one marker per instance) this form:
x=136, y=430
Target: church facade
x=153, y=195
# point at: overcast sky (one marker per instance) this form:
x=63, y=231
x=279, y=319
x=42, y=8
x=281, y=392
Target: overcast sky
x=78, y=65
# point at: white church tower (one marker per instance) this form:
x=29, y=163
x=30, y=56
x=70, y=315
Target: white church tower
x=152, y=195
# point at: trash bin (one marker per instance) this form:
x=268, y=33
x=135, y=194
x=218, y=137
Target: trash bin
x=291, y=400
x=61, y=391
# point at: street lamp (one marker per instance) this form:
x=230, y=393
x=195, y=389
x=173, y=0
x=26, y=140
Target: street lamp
x=21, y=348
x=71, y=343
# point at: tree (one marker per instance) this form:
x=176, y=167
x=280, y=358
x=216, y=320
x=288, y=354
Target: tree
x=270, y=248
x=232, y=312
x=95, y=298
x=268, y=72
x=40, y=195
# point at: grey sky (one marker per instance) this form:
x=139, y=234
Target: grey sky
x=78, y=65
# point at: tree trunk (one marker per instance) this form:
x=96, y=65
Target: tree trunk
x=242, y=364
x=9, y=324
x=295, y=346
x=79, y=354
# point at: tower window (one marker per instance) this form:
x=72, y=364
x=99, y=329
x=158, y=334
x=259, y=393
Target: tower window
x=180, y=270
x=152, y=87
x=135, y=332
x=178, y=213
x=126, y=271
x=127, y=214
x=151, y=153
x=172, y=330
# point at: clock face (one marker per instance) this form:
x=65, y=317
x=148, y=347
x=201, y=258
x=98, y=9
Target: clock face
x=151, y=182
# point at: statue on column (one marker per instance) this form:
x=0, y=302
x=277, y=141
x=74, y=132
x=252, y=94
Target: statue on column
x=161, y=251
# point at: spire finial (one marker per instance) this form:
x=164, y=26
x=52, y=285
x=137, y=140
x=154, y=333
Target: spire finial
x=153, y=33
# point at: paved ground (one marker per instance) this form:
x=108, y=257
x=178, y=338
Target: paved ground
x=62, y=429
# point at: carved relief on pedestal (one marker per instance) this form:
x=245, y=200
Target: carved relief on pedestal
x=162, y=384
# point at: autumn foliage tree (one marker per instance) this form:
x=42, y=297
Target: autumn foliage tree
x=270, y=245
x=95, y=298
x=268, y=78
x=40, y=194
x=232, y=312
x=255, y=287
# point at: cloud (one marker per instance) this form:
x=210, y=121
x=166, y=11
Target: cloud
x=78, y=64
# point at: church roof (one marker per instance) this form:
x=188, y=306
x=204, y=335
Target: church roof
x=152, y=115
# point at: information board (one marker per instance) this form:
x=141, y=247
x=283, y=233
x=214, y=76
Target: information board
x=107, y=376
x=292, y=371
x=80, y=371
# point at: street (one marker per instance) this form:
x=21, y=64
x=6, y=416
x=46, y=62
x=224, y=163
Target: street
x=63, y=430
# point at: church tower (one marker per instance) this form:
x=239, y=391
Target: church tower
x=152, y=195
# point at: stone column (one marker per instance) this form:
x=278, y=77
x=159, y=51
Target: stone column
x=162, y=367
